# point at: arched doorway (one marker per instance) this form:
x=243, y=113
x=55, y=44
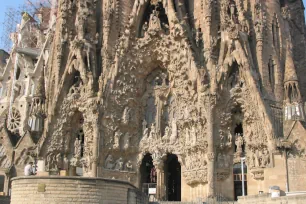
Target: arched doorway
x=238, y=180
x=173, y=178
x=148, y=177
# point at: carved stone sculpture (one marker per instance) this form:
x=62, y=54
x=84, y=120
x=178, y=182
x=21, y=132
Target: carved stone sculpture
x=173, y=137
x=77, y=148
x=109, y=162
x=117, y=137
x=129, y=165
x=116, y=87
x=239, y=143
x=119, y=164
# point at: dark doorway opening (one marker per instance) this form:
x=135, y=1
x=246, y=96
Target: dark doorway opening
x=148, y=174
x=237, y=172
x=2, y=182
x=173, y=178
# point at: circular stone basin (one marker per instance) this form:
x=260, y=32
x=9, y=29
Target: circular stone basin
x=57, y=189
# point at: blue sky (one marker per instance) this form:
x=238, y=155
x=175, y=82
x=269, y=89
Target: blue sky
x=8, y=3
x=4, y=5
x=15, y=3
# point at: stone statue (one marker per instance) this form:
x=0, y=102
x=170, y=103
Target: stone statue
x=49, y=162
x=232, y=10
x=117, y=137
x=126, y=115
x=144, y=125
x=119, y=164
x=251, y=160
x=127, y=140
x=77, y=148
x=153, y=132
x=145, y=29
x=109, y=162
x=173, y=136
x=129, y=166
x=239, y=143
x=229, y=136
x=256, y=159
x=167, y=131
x=265, y=158
x=66, y=163
x=146, y=133
x=154, y=23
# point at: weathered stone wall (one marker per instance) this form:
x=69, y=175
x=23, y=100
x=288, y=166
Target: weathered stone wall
x=73, y=190
x=269, y=178
x=266, y=199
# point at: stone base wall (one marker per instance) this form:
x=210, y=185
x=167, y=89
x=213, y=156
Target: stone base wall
x=266, y=199
x=56, y=190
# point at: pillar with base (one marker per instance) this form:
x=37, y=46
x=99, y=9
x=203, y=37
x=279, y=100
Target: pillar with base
x=160, y=185
x=210, y=104
x=96, y=147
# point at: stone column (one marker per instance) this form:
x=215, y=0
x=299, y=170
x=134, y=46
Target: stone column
x=160, y=184
x=7, y=184
x=208, y=5
x=210, y=106
x=95, y=151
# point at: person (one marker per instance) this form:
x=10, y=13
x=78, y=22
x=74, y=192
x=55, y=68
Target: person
x=28, y=171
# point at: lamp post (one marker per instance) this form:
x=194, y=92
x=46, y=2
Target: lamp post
x=242, y=172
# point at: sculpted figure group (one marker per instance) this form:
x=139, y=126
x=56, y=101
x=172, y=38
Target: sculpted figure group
x=118, y=165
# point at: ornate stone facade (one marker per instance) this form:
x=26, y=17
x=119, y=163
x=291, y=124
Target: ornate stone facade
x=210, y=82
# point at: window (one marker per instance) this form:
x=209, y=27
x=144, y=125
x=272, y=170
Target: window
x=294, y=112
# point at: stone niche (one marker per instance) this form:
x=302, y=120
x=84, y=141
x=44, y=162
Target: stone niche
x=74, y=189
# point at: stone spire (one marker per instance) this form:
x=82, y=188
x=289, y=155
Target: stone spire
x=294, y=109
x=40, y=90
x=37, y=113
x=290, y=73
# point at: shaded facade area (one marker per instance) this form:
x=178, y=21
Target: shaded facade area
x=173, y=178
x=163, y=181
x=240, y=180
